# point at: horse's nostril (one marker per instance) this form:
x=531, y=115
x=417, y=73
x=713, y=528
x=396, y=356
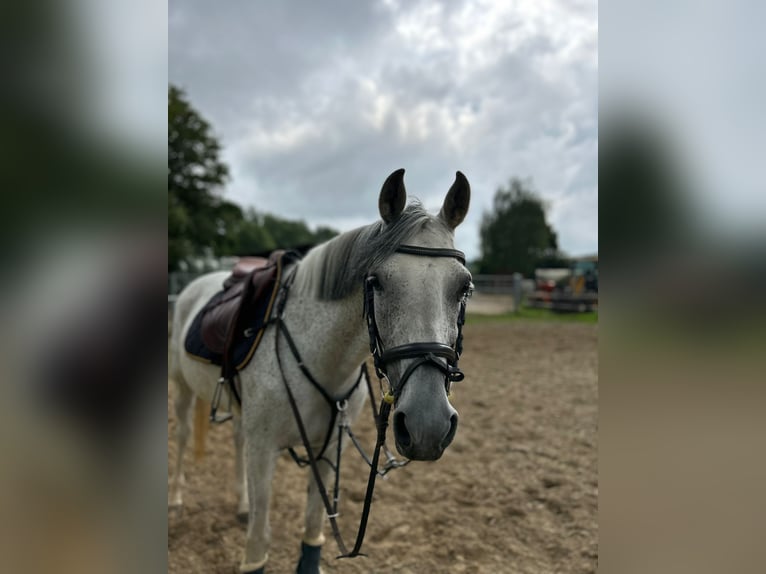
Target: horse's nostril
x=401, y=433
x=452, y=430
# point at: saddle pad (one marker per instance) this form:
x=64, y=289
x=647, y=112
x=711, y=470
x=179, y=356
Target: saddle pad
x=254, y=315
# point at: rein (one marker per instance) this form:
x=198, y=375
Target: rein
x=439, y=355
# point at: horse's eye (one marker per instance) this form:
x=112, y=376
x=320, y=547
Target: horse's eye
x=467, y=290
x=375, y=282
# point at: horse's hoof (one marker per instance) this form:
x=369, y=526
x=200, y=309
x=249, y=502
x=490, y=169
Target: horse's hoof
x=309, y=562
x=260, y=566
x=175, y=500
x=242, y=517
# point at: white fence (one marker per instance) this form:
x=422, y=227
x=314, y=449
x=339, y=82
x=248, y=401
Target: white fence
x=500, y=284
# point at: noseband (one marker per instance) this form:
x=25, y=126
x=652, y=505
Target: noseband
x=427, y=353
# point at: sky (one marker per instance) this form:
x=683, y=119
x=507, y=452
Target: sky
x=316, y=103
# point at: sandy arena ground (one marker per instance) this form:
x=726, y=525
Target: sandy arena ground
x=516, y=492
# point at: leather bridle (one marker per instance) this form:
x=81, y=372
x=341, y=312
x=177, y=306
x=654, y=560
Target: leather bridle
x=439, y=355
x=428, y=353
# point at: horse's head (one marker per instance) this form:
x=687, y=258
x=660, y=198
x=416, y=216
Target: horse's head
x=417, y=298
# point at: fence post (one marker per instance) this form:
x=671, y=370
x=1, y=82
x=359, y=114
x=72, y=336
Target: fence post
x=518, y=291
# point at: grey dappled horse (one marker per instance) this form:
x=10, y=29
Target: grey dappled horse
x=416, y=299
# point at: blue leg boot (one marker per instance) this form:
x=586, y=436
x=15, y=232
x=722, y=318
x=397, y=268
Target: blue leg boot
x=309, y=562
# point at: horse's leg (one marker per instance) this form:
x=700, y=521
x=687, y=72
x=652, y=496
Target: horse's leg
x=182, y=403
x=313, y=537
x=239, y=466
x=260, y=463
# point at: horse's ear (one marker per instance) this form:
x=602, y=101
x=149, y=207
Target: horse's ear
x=456, y=203
x=393, y=196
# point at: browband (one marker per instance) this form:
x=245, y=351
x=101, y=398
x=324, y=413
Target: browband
x=431, y=252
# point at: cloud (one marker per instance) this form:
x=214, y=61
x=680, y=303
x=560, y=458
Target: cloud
x=317, y=104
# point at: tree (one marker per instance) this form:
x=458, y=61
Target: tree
x=515, y=236
x=287, y=233
x=259, y=234
x=644, y=208
x=197, y=217
x=252, y=237
x=323, y=233
x=229, y=220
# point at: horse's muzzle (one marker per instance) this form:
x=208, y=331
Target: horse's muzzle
x=420, y=441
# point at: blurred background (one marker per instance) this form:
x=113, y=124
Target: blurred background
x=682, y=208
x=298, y=113
x=82, y=366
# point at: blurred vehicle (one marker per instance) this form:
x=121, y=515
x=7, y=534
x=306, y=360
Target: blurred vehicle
x=546, y=279
x=569, y=289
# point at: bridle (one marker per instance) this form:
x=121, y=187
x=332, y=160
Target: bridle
x=439, y=355
x=428, y=353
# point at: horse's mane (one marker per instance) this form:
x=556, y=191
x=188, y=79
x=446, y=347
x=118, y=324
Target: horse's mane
x=333, y=270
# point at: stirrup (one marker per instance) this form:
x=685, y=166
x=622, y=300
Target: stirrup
x=214, y=416
x=218, y=419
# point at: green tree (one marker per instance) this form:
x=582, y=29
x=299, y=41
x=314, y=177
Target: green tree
x=323, y=233
x=252, y=237
x=287, y=233
x=197, y=217
x=229, y=220
x=644, y=208
x=515, y=236
x=257, y=233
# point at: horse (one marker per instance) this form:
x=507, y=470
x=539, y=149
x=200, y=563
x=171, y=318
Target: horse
x=405, y=267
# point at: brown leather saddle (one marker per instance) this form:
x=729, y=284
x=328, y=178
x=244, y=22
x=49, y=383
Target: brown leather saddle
x=249, y=280
x=228, y=329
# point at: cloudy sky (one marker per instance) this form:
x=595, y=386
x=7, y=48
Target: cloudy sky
x=317, y=102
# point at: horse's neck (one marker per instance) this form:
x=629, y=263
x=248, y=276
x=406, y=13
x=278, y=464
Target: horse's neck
x=331, y=336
